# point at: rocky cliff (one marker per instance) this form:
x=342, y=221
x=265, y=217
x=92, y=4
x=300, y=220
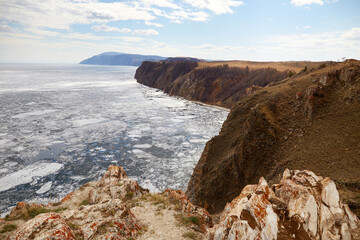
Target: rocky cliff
x=311, y=121
x=301, y=206
x=219, y=84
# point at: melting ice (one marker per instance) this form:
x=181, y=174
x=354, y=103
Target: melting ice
x=61, y=126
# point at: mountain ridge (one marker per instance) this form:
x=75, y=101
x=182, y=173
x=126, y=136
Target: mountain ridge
x=123, y=59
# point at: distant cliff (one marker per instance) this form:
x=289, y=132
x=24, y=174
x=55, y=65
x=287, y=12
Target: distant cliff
x=220, y=85
x=114, y=58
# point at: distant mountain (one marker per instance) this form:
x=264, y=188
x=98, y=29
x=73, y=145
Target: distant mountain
x=114, y=58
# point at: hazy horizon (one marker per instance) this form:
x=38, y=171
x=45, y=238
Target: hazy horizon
x=69, y=31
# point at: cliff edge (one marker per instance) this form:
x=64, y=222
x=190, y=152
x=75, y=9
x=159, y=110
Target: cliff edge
x=311, y=121
x=216, y=83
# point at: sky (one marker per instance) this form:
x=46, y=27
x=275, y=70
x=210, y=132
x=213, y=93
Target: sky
x=68, y=31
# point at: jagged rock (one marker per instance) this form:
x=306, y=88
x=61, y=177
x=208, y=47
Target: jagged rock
x=189, y=209
x=44, y=226
x=95, y=211
x=301, y=206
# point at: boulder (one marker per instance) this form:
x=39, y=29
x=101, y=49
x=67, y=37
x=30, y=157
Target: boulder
x=301, y=206
x=44, y=226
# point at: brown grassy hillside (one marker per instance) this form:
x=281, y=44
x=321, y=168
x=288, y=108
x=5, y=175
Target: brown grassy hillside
x=309, y=121
x=217, y=83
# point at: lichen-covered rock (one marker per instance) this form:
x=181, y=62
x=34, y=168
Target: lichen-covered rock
x=301, y=206
x=189, y=209
x=44, y=226
x=95, y=211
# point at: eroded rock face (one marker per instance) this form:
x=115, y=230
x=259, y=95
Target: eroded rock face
x=301, y=206
x=95, y=211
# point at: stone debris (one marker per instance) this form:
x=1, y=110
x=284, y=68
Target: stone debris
x=301, y=206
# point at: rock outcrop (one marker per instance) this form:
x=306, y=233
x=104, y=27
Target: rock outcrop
x=309, y=121
x=301, y=206
x=95, y=211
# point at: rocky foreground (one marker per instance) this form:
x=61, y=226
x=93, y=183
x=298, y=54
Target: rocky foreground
x=301, y=206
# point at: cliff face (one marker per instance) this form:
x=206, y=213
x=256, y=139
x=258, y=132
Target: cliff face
x=220, y=85
x=310, y=121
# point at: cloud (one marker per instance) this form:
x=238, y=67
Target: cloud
x=179, y=16
x=106, y=28
x=208, y=46
x=299, y=3
x=60, y=14
x=145, y=32
x=4, y=27
x=216, y=6
x=153, y=24
x=83, y=36
x=130, y=39
x=159, y=3
x=42, y=32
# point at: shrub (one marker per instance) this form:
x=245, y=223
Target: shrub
x=322, y=66
x=190, y=235
x=8, y=228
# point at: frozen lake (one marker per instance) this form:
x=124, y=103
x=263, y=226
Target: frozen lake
x=62, y=125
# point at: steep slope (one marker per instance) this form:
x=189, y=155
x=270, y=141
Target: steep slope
x=124, y=59
x=217, y=83
x=310, y=121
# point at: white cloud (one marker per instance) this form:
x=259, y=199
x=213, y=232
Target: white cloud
x=216, y=6
x=208, y=46
x=299, y=3
x=4, y=27
x=42, y=32
x=205, y=46
x=145, y=32
x=179, y=16
x=83, y=36
x=60, y=14
x=160, y=3
x=153, y=24
x=130, y=39
x=106, y=28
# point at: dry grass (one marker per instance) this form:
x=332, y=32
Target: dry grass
x=280, y=66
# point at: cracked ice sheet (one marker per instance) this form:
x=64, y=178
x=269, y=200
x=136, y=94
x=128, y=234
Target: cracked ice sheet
x=27, y=174
x=87, y=117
